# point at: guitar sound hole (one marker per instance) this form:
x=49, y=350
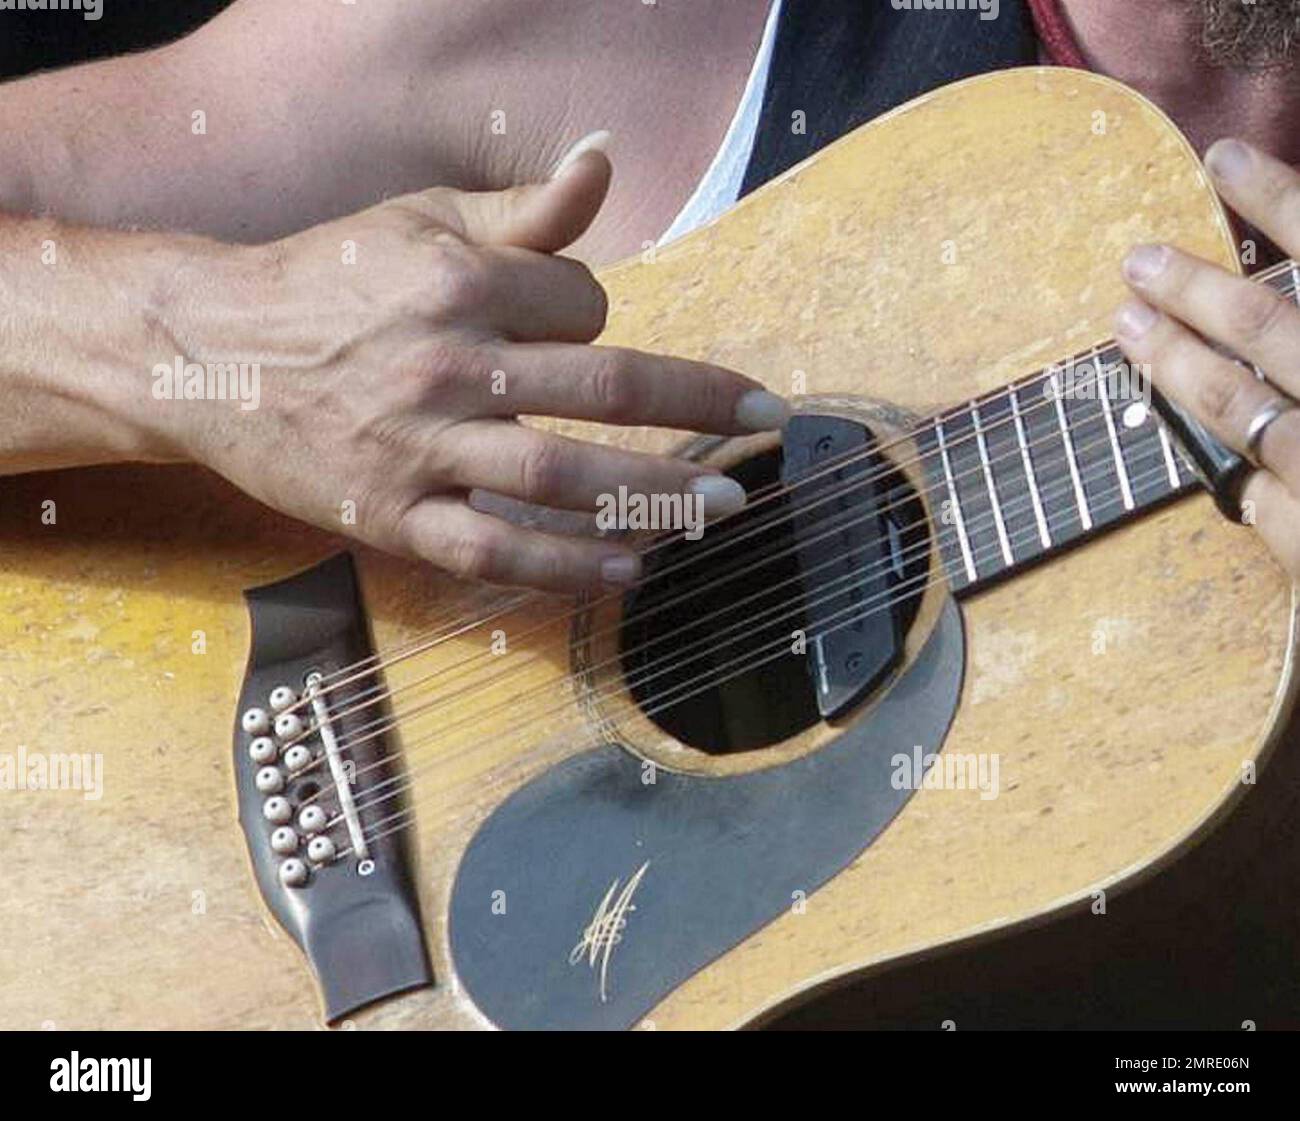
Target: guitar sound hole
x=706, y=650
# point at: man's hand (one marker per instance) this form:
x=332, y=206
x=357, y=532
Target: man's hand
x=391, y=385
x=1185, y=301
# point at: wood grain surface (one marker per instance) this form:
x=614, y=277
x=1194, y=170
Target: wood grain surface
x=1123, y=687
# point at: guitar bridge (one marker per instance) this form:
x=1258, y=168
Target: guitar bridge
x=318, y=781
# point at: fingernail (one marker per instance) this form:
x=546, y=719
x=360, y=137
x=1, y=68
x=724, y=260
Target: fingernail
x=1135, y=319
x=592, y=142
x=1228, y=160
x=760, y=411
x=1146, y=262
x=721, y=495
x=620, y=570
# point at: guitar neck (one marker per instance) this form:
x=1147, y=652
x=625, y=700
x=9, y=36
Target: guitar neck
x=1043, y=464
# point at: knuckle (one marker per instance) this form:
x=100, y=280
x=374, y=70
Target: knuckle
x=715, y=397
x=614, y=387
x=1176, y=280
x=460, y=279
x=541, y=470
x=472, y=556
x=437, y=462
x=443, y=369
x=1218, y=396
x=1253, y=312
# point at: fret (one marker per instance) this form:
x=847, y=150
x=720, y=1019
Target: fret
x=1032, y=468
x=1013, y=486
x=1039, y=519
x=1147, y=455
x=972, y=493
x=958, y=521
x=1085, y=516
x=1125, y=487
x=1047, y=457
x=996, y=507
x=1286, y=281
x=1090, y=440
x=1170, y=462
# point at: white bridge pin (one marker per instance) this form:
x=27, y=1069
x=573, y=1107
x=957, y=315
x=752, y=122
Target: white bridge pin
x=284, y=841
x=311, y=819
x=262, y=750
x=288, y=725
x=281, y=698
x=293, y=872
x=269, y=780
x=320, y=850
x=255, y=721
x=296, y=758
x=277, y=810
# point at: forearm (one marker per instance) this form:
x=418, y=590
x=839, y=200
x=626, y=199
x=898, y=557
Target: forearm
x=273, y=117
x=83, y=317
x=156, y=139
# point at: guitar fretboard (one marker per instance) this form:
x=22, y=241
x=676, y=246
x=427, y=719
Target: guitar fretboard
x=1042, y=464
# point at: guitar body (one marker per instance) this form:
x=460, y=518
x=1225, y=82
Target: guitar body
x=957, y=244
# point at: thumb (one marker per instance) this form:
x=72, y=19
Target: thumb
x=545, y=217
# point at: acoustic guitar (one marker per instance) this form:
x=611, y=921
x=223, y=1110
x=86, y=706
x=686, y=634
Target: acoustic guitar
x=982, y=648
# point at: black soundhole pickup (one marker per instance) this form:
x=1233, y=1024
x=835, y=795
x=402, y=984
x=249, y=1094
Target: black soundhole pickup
x=321, y=790
x=849, y=542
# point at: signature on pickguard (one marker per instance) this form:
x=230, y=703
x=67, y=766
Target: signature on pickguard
x=605, y=931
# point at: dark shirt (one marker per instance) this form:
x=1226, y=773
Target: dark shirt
x=42, y=40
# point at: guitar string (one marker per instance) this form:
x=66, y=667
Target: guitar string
x=775, y=491
x=1062, y=484
x=357, y=736
x=381, y=724
x=377, y=694
x=405, y=817
x=420, y=644
x=377, y=727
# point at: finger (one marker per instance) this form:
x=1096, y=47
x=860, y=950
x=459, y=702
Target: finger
x=1275, y=513
x=477, y=546
x=1263, y=190
x=545, y=217
x=1248, y=318
x=534, y=297
x=630, y=387
x=1220, y=393
x=549, y=470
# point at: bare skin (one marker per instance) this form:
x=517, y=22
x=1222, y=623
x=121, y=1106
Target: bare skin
x=391, y=383
x=1155, y=47
x=337, y=106
x=1181, y=302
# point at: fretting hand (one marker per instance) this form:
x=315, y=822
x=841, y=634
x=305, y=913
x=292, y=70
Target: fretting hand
x=1184, y=301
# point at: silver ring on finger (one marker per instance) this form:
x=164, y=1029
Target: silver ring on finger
x=1260, y=423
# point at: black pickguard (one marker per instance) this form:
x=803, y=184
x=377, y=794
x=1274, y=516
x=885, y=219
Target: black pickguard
x=726, y=856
